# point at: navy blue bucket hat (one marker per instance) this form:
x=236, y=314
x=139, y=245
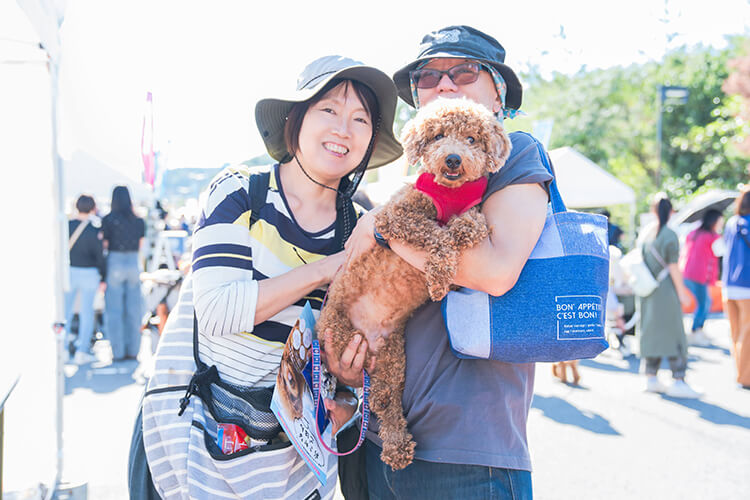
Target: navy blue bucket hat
x=462, y=42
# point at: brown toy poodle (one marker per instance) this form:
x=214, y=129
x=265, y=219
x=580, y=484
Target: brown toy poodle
x=459, y=144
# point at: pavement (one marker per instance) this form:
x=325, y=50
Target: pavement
x=605, y=438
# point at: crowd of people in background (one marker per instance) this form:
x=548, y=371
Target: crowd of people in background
x=688, y=273
x=108, y=252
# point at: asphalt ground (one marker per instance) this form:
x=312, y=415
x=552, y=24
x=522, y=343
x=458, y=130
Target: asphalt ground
x=605, y=438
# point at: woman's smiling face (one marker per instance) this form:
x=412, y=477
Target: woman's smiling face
x=334, y=135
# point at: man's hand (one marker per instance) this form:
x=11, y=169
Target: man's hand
x=348, y=368
x=361, y=239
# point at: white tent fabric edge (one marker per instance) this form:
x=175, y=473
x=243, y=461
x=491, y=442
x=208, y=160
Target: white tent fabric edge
x=584, y=184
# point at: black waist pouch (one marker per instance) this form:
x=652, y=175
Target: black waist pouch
x=246, y=407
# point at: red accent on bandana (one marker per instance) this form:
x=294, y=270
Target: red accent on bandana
x=451, y=201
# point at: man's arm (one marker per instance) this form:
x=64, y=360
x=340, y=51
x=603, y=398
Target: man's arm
x=516, y=215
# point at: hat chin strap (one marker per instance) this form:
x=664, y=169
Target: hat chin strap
x=310, y=177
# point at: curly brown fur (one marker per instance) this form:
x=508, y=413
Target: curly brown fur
x=376, y=293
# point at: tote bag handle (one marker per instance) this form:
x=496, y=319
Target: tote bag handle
x=554, y=194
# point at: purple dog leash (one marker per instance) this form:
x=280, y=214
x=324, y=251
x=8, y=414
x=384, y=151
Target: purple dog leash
x=317, y=398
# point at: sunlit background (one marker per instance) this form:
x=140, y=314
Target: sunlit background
x=206, y=63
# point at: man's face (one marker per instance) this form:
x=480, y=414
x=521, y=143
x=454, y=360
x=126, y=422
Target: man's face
x=482, y=91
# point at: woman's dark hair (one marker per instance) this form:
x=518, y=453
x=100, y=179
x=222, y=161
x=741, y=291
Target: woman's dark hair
x=121, y=203
x=297, y=114
x=743, y=201
x=85, y=204
x=663, y=208
x=709, y=220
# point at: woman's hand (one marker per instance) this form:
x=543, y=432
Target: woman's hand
x=684, y=296
x=348, y=368
x=340, y=409
x=362, y=239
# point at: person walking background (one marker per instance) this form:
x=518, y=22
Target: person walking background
x=123, y=235
x=736, y=280
x=700, y=268
x=662, y=331
x=87, y=274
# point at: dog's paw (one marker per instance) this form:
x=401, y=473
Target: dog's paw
x=437, y=291
x=468, y=229
x=399, y=454
x=440, y=270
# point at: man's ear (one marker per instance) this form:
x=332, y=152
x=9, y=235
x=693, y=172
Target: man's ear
x=497, y=106
x=413, y=140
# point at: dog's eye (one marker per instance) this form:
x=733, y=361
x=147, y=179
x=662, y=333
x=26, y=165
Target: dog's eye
x=438, y=137
x=470, y=139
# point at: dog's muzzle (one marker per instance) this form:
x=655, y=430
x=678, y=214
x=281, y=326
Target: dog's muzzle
x=453, y=161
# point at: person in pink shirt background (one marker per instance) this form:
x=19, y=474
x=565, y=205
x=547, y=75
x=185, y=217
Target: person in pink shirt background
x=700, y=268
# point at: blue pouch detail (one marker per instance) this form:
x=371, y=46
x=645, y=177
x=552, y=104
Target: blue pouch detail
x=555, y=311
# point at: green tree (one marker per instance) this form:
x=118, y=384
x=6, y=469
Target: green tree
x=611, y=117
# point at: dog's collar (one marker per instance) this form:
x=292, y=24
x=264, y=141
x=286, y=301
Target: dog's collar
x=451, y=201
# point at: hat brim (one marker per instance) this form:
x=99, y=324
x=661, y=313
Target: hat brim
x=513, y=96
x=270, y=114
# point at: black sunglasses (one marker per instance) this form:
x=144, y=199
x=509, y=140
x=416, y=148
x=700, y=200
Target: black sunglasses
x=461, y=74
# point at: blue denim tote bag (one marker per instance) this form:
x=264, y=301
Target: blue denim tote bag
x=555, y=312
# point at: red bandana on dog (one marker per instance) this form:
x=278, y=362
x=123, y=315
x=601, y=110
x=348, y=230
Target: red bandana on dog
x=451, y=201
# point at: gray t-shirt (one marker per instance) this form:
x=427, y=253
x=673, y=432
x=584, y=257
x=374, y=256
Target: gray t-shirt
x=469, y=411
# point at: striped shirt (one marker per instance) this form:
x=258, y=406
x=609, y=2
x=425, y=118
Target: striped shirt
x=228, y=262
x=229, y=258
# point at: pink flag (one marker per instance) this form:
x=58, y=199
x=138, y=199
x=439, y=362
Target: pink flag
x=147, y=143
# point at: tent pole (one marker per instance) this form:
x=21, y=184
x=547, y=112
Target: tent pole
x=61, y=276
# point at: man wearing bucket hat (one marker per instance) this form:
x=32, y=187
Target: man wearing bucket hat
x=468, y=417
x=249, y=280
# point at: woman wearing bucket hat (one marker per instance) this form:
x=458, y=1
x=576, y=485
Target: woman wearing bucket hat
x=257, y=257
x=468, y=417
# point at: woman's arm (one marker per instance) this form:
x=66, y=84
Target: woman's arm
x=516, y=215
x=278, y=293
x=226, y=296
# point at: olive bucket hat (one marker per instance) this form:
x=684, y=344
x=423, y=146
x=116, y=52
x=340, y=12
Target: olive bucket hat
x=271, y=113
x=462, y=42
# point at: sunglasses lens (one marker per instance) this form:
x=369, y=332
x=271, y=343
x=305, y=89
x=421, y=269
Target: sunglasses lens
x=464, y=74
x=426, y=78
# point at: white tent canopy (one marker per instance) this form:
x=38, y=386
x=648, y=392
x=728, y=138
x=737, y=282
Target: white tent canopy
x=584, y=184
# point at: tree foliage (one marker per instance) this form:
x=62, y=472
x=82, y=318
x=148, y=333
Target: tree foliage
x=611, y=116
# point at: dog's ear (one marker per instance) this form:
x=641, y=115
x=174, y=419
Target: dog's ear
x=414, y=140
x=498, y=143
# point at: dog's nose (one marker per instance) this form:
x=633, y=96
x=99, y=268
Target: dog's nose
x=452, y=161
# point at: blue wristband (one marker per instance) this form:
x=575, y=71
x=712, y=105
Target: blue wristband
x=380, y=239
